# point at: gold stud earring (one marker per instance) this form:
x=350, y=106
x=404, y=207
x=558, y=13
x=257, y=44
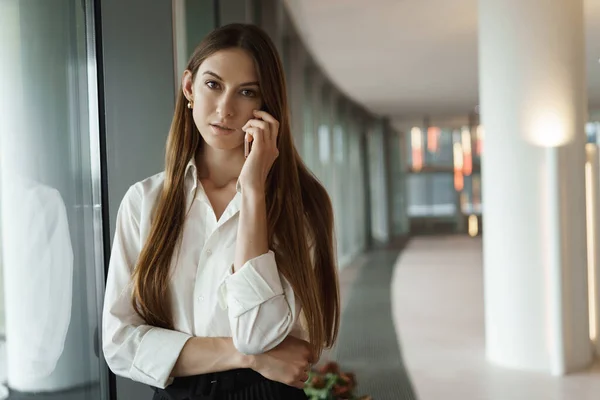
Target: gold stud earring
x=190, y=105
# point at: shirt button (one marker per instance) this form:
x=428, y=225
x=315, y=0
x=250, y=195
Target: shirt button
x=200, y=298
x=208, y=252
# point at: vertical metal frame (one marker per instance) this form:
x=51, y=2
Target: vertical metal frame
x=97, y=132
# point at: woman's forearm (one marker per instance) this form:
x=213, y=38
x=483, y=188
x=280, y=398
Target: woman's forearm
x=252, y=228
x=202, y=355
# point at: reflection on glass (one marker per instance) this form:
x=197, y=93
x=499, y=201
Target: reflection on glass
x=38, y=282
x=50, y=343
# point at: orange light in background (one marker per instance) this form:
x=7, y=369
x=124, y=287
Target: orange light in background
x=458, y=157
x=468, y=164
x=459, y=181
x=416, y=141
x=480, y=137
x=466, y=147
x=433, y=136
x=473, y=225
x=465, y=139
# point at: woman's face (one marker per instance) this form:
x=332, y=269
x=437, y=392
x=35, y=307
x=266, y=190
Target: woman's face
x=224, y=93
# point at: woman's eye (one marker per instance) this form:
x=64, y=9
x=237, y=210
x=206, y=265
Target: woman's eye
x=248, y=93
x=212, y=84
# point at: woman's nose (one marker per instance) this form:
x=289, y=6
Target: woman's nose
x=225, y=107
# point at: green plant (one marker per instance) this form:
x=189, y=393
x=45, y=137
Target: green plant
x=329, y=383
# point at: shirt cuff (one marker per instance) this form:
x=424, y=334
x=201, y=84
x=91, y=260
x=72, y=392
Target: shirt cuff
x=254, y=283
x=156, y=356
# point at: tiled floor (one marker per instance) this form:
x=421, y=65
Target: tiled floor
x=437, y=295
x=367, y=343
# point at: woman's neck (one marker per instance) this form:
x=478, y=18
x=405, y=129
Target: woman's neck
x=221, y=167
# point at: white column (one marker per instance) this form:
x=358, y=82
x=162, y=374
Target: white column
x=533, y=101
x=592, y=200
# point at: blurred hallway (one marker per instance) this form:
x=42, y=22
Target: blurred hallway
x=437, y=299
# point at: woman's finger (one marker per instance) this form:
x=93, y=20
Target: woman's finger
x=257, y=135
x=265, y=116
x=261, y=125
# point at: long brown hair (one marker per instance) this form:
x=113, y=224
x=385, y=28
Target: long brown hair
x=299, y=210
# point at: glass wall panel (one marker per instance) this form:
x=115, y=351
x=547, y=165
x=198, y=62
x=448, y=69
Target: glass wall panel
x=332, y=147
x=470, y=201
x=51, y=232
x=397, y=181
x=324, y=132
x=339, y=181
x=378, y=185
x=199, y=22
x=592, y=131
x=444, y=173
x=438, y=147
x=309, y=145
x=431, y=194
x=358, y=191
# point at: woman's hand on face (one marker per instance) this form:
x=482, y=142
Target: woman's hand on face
x=262, y=131
x=287, y=363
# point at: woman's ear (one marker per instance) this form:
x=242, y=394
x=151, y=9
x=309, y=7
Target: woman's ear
x=187, y=84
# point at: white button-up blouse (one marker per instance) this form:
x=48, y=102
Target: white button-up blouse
x=255, y=306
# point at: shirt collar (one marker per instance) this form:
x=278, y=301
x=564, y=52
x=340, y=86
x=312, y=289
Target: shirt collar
x=191, y=177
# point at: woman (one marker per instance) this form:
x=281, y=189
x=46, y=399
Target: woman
x=222, y=281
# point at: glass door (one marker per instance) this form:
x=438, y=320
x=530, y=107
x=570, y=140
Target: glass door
x=51, y=264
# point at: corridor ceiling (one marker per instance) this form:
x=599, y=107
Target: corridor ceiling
x=407, y=59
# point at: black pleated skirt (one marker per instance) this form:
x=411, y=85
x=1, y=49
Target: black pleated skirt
x=238, y=384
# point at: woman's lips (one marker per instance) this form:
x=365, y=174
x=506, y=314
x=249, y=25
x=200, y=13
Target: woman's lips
x=219, y=130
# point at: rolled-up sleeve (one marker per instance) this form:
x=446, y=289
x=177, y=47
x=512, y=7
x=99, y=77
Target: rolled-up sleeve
x=261, y=305
x=132, y=348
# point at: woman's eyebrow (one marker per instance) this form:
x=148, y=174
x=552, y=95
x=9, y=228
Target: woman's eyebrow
x=254, y=83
